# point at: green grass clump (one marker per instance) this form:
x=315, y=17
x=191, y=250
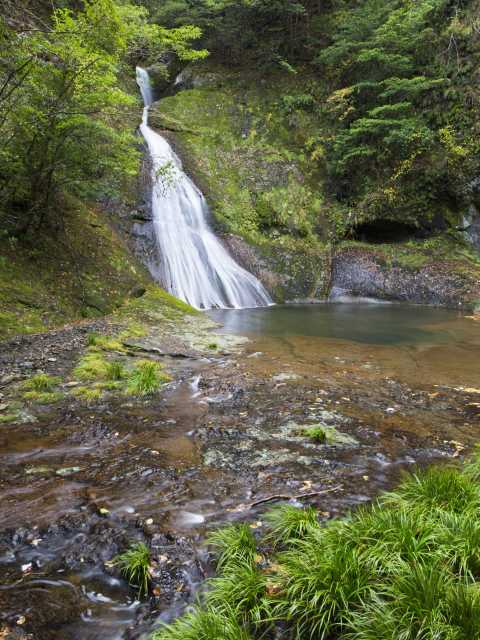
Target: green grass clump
x=43, y=397
x=234, y=546
x=146, y=378
x=105, y=343
x=239, y=590
x=87, y=394
x=8, y=417
x=287, y=523
x=93, y=366
x=203, y=624
x=442, y=488
x=405, y=568
x=115, y=371
x=316, y=434
x=134, y=565
x=42, y=383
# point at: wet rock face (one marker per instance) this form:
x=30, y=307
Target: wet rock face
x=191, y=77
x=360, y=273
x=164, y=72
x=287, y=274
x=471, y=226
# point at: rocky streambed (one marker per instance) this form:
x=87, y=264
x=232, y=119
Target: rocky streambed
x=227, y=437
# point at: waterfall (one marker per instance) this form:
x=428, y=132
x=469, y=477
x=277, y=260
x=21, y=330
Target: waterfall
x=194, y=265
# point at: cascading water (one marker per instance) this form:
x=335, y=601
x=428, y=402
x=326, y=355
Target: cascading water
x=195, y=266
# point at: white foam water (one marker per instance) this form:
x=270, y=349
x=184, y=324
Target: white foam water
x=194, y=265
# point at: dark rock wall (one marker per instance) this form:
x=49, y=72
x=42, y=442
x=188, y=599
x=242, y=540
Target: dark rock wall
x=361, y=273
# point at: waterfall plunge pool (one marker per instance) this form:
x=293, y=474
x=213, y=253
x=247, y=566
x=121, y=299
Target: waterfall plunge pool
x=371, y=323
x=409, y=342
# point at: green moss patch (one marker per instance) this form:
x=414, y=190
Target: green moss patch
x=87, y=394
x=83, y=269
x=5, y=418
x=42, y=383
x=43, y=397
x=247, y=153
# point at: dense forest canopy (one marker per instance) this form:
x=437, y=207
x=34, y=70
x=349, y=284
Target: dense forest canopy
x=64, y=105
x=396, y=98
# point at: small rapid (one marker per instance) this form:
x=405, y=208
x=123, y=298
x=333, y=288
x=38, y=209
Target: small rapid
x=194, y=265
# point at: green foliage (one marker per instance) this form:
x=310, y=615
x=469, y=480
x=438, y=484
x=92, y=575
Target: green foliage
x=87, y=394
x=287, y=523
x=407, y=567
x=268, y=31
x=317, y=434
x=134, y=565
x=389, y=129
x=105, y=343
x=41, y=389
x=299, y=102
x=203, y=624
x=390, y=153
x=63, y=113
x=146, y=378
x=43, y=397
x=441, y=488
x=94, y=366
x=91, y=367
x=234, y=546
x=239, y=591
x=116, y=371
x=42, y=382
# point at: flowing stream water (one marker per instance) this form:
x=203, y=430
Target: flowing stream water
x=194, y=265
x=78, y=485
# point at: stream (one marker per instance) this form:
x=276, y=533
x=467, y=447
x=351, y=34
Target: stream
x=395, y=384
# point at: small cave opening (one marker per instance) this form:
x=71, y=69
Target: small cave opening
x=386, y=231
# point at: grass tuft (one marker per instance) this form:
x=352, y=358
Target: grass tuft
x=204, y=624
x=134, y=565
x=405, y=568
x=42, y=383
x=115, y=371
x=239, y=590
x=87, y=394
x=234, y=546
x=439, y=488
x=91, y=367
x=105, y=343
x=146, y=378
x=287, y=523
x=43, y=397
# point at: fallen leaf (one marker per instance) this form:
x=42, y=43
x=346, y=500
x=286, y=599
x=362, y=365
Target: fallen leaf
x=273, y=588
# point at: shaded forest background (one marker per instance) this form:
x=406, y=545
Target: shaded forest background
x=393, y=85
